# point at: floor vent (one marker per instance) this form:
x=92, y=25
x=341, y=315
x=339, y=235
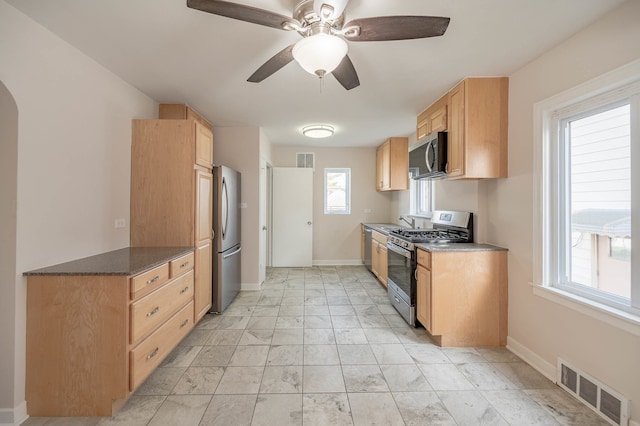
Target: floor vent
x=612, y=406
x=305, y=160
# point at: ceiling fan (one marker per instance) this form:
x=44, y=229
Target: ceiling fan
x=321, y=24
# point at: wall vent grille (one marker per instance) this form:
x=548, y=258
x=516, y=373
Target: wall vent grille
x=306, y=160
x=608, y=403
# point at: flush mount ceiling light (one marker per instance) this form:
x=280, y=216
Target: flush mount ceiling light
x=320, y=53
x=317, y=131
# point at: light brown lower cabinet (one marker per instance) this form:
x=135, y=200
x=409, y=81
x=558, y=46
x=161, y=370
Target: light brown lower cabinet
x=462, y=298
x=93, y=339
x=379, y=262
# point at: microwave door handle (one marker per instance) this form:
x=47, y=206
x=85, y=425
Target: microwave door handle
x=426, y=155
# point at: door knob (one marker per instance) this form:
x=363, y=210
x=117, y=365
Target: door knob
x=309, y=223
x=264, y=228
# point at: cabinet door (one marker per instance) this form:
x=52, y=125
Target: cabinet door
x=383, y=163
x=203, y=280
x=456, y=136
x=383, y=264
x=204, y=146
x=422, y=129
x=423, y=297
x=375, y=256
x=438, y=120
x=204, y=207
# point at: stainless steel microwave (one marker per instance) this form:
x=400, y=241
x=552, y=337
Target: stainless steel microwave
x=429, y=157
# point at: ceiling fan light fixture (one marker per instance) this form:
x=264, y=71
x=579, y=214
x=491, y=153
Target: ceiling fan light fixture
x=318, y=131
x=320, y=53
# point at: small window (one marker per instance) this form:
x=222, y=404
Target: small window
x=420, y=195
x=337, y=191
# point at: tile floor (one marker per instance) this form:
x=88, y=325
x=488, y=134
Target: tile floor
x=322, y=346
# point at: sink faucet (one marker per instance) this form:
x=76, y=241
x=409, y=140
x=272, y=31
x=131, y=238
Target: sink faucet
x=412, y=223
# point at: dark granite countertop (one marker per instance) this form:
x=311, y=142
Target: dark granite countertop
x=126, y=261
x=460, y=247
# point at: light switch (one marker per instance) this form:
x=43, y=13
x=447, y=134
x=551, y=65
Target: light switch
x=367, y=210
x=120, y=223
x=243, y=205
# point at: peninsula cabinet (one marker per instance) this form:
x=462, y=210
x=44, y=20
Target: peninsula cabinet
x=477, y=120
x=171, y=194
x=463, y=306
x=99, y=326
x=392, y=165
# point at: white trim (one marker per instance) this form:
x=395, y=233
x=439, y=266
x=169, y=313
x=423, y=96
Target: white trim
x=347, y=262
x=544, y=248
x=533, y=359
x=611, y=316
x=250, y=287
x=15, y=416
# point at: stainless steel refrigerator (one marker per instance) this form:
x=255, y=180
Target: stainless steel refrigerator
x=226, y=239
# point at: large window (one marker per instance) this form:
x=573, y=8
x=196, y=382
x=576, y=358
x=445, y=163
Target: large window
x=589, y=159
x=420, y=195
x=337, y=191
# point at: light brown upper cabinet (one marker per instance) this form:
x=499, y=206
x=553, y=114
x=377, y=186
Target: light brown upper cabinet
x=204, y=130
x=392, y=165
x=477, y=128
x=432, y=119
x=475, y=116
x=171, y=194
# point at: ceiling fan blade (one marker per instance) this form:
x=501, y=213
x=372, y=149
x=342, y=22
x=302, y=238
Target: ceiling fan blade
x=242, y=13
x=346, y=74
x=384, y=28
x=276, y=62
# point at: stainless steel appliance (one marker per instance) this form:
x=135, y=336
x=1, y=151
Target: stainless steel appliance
x=226, y=237
x=448, y=227
x=367, y=247
x=429, y=157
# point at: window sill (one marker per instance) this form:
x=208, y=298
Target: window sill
x=617, y=318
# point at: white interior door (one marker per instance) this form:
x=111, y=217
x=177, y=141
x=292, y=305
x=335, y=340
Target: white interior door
x=292, y=216
x=262, y=246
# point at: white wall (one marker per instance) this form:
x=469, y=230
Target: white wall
x=336, y=238
x=538, y=327
x=240, y=149
x=73, y=169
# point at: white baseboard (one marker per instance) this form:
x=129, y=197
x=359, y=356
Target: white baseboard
x=348, y=262
x=250, y=287
x=15, y=416
x=545, y=368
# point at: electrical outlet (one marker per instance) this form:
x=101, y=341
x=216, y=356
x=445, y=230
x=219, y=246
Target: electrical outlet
x=120, y=223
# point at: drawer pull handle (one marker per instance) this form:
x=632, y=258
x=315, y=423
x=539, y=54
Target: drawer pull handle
x=153, y=280
x=185, y=264
x=154, y=311
x=152, y=354
x=184, y=290
x=185, y=322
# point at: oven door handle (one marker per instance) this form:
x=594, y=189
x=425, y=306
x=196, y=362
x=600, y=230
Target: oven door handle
x=402, y=252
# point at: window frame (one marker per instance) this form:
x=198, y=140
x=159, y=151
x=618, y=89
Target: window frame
x=606, y=89
x=417, y=188
x=347, y=172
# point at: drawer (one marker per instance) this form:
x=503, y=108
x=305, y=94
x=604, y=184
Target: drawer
x=145, y=357
x=180, y=265
x=148, y=281
x=379, y=237
x=424, y=258
x=154, y=309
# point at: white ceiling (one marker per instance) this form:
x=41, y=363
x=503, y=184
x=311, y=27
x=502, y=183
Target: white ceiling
x=179, y=55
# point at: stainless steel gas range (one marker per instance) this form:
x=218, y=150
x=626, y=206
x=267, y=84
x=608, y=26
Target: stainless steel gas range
x=448, y=227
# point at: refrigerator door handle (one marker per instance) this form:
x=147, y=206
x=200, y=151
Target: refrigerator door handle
x=226, y=208
x=226, y=256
